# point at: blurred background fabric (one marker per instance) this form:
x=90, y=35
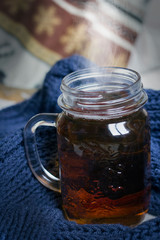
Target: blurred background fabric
x=145, y=57
x=34, y=34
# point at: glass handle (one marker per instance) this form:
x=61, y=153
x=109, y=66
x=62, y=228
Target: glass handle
x=40, y=172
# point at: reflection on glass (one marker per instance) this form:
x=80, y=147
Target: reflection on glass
x=117, y=129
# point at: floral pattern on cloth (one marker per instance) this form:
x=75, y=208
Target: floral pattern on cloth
x=34, y=34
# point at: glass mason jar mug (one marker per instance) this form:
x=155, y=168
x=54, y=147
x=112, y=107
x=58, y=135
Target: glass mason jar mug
x=103, y=140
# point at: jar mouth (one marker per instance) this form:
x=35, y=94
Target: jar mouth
x=106, y=91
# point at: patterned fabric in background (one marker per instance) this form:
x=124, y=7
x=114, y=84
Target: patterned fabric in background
x=34, y=34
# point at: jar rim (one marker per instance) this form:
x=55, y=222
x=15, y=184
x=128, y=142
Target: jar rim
x=87, y=72
x=105, y=91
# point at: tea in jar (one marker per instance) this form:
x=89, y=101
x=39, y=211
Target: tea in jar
x=103, y=137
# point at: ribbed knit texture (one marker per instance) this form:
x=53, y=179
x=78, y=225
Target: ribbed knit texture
x=28, y=210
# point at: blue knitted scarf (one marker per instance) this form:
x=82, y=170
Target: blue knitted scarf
x=28, y=210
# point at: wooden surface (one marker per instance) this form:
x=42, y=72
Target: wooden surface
x=14, y=94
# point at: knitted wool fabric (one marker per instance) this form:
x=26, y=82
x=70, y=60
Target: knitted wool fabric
x=28, y=210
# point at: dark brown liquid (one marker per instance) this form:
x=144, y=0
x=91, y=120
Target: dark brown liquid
x=105, y=168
